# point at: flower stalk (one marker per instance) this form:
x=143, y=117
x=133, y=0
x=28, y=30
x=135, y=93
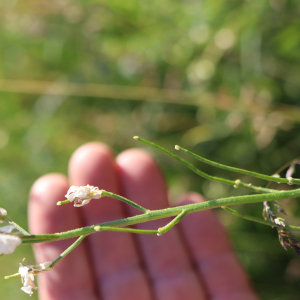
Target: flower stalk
x=164, y=213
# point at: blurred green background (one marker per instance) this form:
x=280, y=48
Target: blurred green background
x=220, y=78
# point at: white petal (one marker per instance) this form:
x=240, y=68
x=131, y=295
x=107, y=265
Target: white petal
x=23, y=270
x=7, y=229
x=46, y=265
x=27, y=289
x=71, y=190
x=8, y=243
x=79, y=203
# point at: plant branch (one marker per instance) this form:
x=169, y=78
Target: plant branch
x=125, y=200
x=68, y=250
x=17, y=226
x=233, y=169
x=115, y=196
x=236, y=183
x=164, y=213
x=258, y=220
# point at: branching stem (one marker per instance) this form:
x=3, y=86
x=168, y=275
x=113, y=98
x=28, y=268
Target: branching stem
x=17, y=226
x=233, y=169
x=236, y=183
x=259, y=220
x=163, y=213
x=68, y=250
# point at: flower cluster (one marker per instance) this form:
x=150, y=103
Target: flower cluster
x=82, y=195
x=27, y=273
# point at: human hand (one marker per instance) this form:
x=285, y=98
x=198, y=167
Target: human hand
x=194, y=260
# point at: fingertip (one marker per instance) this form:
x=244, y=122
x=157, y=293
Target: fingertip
x=141, y=178
x=135, y=157
x=53, y=184
x=46, y=217
x=90, y=148
x=139, y=167
x=43, y=213
x=87, y=161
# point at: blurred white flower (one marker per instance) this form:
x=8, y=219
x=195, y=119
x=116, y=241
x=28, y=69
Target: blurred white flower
x=3, y=212
x=7, y=229
x=82, y=195
x=8, y=243
x=27, y=279
x=27, y=273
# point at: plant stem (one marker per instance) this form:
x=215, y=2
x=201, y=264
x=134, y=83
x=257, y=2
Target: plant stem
x=170, y=225
x=12, y=276
x=164, y=213
x=125, y=200
x=258, y=220
x=18, y=227
x=115, y=196
x=132, y=230
x=63, y=202
x=98, y=228
x=233, y=169
x=236, y=183
x=68, y=250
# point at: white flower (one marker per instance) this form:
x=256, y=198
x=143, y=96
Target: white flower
x=27, y=279
x=8, y=243
x=3, y=212
x=7, y=229
x=27, y=273
x=82, y=195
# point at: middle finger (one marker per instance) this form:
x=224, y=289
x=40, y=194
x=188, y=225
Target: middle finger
x=165, y=257
x=113, y=254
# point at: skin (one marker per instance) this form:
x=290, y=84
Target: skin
x=194, y=260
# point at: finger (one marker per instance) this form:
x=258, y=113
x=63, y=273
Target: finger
x=71, y=277
x=165, y=257
x=114, y=255
x=208, y=242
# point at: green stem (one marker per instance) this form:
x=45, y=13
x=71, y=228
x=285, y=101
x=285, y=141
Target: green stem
x=68, y=250
x=164, y=213
x=115, y=196
x=236, y=183
x=132, y=230
x=99, y=228
x=258, y=220
x=233, y=169
x=125, y=200
x=63, y=202
x=18, y=227
x=12, y=276
x=170, y=225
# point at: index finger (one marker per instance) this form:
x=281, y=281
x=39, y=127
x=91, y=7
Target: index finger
x=46, y=217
